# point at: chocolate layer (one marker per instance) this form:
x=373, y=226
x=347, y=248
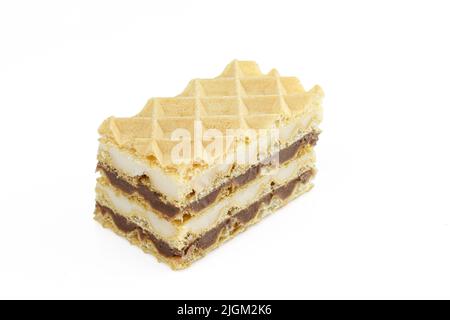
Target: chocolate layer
x=155, y=199
x=208, y=239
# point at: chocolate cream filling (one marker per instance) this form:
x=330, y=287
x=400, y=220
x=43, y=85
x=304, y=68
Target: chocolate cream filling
x=237, y=221
x=155, y=199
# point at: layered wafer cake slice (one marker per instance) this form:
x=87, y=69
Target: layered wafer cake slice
x=190, y=172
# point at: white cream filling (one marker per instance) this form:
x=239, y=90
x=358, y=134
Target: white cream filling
x=288, y=131
x=203, y=181
x=166, y=184
x=204, y=221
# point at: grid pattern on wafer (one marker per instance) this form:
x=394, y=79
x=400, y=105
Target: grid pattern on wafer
x=241, y=98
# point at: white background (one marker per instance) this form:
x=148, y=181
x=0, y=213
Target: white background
x=375, y=226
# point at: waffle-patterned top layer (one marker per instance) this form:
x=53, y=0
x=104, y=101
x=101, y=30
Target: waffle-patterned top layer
x=241, y=100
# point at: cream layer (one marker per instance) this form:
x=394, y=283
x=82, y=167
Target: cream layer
x=178, y=233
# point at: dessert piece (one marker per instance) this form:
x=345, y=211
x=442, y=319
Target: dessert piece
x=190, y=172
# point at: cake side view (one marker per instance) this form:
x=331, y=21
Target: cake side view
x=188, y=173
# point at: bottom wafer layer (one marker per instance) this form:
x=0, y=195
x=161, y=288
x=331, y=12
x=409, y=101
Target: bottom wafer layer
x=180, y=259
